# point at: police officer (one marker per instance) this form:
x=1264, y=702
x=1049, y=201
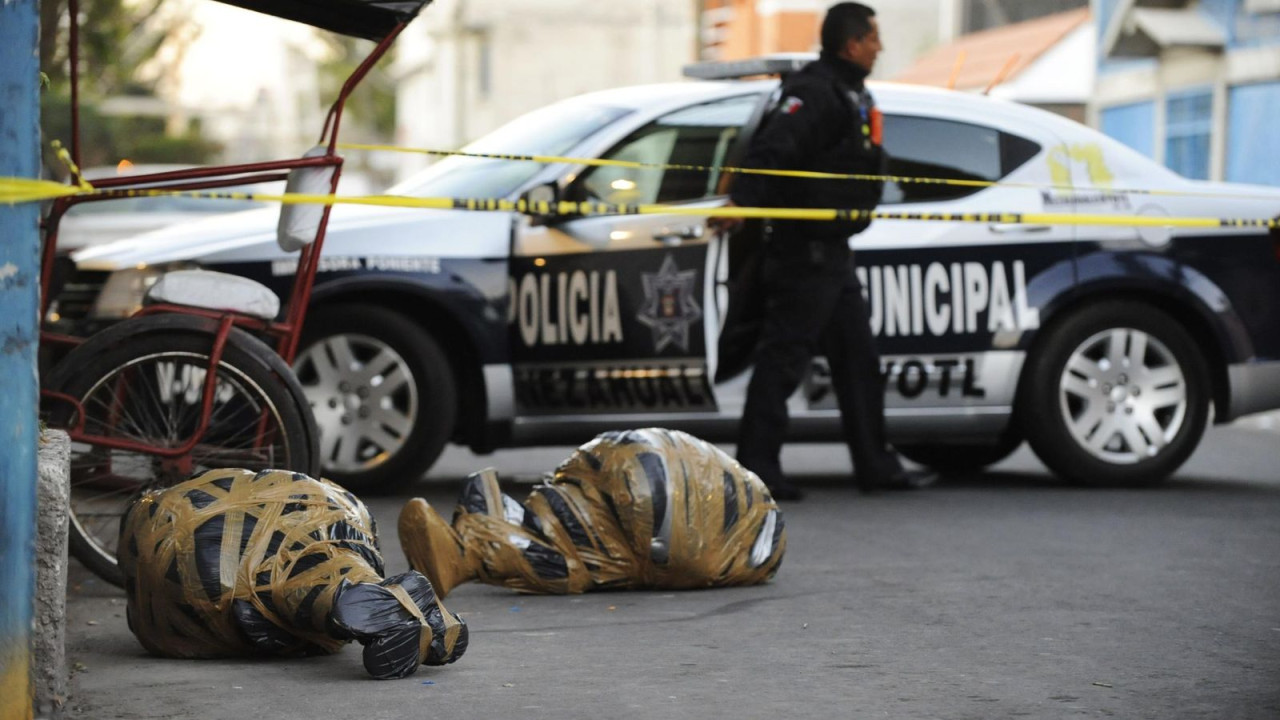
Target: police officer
x=824, y=120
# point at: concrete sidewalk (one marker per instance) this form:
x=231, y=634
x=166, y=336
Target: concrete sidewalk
x=1005, y=595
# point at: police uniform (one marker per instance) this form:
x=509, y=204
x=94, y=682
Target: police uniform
x=824, y=120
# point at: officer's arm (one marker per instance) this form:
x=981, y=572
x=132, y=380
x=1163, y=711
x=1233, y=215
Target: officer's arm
x=799, y=128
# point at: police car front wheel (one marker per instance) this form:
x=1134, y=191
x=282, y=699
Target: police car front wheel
x=1118, y=394
x=382, y=391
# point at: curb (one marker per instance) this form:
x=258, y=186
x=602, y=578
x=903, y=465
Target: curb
x=53, y=497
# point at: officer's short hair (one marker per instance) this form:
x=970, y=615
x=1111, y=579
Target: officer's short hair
x=844, y=21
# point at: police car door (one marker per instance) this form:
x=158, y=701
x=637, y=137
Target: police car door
x=609, y=313
x=952, y=302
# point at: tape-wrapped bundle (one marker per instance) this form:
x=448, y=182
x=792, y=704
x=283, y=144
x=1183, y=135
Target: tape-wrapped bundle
x=651, y=508
x=232, y=563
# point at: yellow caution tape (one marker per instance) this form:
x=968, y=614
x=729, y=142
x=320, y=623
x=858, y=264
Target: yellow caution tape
x=65, y=157
x=807, y=174
x=13, y=190
x=21, y=190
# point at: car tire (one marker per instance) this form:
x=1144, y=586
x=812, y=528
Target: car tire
x=959, y=459
x=382, y=391
x=1118, y=395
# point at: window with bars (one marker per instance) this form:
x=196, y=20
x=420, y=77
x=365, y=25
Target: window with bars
x=1188, y=125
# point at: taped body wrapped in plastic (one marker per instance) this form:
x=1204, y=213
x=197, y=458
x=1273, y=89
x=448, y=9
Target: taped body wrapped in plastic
x=653, y=508
x=232, y=563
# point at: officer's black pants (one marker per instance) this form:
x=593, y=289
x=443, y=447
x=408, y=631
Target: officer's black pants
x=813, y=302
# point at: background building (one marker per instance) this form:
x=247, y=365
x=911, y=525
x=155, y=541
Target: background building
x=1047, y=62
x=466, y=66
x=250, y=79
x=735, y=29
x=1192, y=84
x=978, y=15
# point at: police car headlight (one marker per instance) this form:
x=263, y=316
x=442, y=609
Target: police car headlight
x=124, y=290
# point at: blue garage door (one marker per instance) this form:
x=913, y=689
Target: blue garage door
x=1253, y=146
x=1134, y=125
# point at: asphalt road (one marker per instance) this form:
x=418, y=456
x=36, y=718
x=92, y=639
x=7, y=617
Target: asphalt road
x=1004, y=595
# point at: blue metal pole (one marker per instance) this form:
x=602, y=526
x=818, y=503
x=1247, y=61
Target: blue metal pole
x=19, y=303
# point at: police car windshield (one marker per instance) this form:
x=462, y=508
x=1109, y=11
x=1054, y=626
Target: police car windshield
x=553, y=130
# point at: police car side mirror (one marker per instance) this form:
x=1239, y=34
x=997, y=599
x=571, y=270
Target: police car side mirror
x=540, y=202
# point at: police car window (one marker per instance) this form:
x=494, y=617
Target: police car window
x=552, y=130
x=933, y=148
x=700, y=135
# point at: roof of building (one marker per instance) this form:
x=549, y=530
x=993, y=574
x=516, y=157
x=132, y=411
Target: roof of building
x=1145, y=32
x=1000, y=53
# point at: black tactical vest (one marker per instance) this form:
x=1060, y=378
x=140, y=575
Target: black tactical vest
x=853, y=154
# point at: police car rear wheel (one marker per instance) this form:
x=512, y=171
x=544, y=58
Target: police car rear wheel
x=1118, y=395
x=382, y=392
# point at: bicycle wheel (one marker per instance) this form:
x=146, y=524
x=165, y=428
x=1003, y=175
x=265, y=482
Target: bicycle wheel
x=149, y=389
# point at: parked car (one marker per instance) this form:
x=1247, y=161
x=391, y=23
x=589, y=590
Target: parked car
x=1107, y=347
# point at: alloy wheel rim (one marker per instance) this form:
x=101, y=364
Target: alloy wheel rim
x=364, y=397
x=1123, y=396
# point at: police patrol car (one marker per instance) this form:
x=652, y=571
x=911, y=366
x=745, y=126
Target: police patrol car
x=1106, y=347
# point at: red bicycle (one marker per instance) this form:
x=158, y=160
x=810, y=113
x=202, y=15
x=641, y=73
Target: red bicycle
x=198, y=377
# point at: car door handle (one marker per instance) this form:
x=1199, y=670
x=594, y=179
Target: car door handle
x=1007, y=228
x=675, y=236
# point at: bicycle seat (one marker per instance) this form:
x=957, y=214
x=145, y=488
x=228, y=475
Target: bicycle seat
x=215, y=291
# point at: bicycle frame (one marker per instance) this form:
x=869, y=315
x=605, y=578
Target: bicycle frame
x=285, y=333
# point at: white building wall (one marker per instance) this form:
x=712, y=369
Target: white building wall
x=1256, y=64
x=1063, y=75
x=911, y=28
x=467, y=66
x=250, y=78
